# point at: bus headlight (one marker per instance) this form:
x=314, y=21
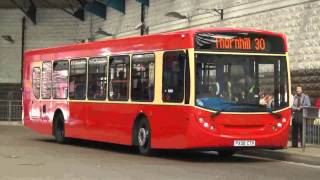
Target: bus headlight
x=283, y=120
x=274, y=128
x=279, y=125
x=201, y=120
x=211, y=128
x=205, y=124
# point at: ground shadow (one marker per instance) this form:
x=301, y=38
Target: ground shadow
x=179, y=155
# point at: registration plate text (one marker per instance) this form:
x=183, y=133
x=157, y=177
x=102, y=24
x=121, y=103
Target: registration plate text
x=244, y=143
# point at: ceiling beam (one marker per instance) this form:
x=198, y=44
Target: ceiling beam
x=119, y=5
x=30, y=11
x=97, y=8
x=79, y=13
x=144, y=2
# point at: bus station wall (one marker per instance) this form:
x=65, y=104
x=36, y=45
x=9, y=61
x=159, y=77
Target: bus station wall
x=298, y=19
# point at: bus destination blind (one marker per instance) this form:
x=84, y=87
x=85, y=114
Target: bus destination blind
x=239, y=42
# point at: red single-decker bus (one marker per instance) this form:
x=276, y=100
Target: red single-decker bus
x=213, y=89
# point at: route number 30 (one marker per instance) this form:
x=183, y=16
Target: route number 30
x=260, y=44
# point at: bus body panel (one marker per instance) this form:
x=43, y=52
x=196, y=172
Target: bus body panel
x=173, y=127
x=43, y=125
x=105, y=123
x=231, y=127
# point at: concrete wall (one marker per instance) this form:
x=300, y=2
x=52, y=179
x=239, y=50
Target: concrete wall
x=298, y=19
x=10, y=54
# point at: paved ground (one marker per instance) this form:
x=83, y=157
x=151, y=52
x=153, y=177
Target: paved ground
x=26, y=155
x=309, y=155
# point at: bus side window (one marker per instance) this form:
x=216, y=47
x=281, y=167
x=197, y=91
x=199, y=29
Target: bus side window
x=173, y=76
x=46, y=80
x=36, y=82
x=97, y=79
x=60, y=79
x=118, y=78
x=142, y=77
x=78, y=79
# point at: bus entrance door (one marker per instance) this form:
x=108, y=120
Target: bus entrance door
x=46, y=91
x=35, y=98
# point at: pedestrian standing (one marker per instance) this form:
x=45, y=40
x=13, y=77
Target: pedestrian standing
x=300, y=100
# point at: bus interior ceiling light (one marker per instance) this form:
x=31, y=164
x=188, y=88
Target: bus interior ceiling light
x=178, y=15
x=102, y=32
x=8, y=38
x=138, y=26
x=216, y=10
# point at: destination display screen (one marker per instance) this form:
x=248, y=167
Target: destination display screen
x=239, y=42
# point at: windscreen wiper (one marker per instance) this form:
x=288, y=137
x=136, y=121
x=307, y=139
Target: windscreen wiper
x=276, y=115
x=248, y=104
x=214, y=114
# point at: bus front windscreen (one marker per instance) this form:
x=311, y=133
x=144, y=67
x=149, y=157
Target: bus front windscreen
x=241, y=83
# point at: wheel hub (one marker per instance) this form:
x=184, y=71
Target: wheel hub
x=142, y=136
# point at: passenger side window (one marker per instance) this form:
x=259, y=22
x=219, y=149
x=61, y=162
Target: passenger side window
x=173, y=76
x=78, y=79
x=46, y=80
x=142, y=77
x=60, y=79
x=36, y=82
x=118, y=78
x=97, y=80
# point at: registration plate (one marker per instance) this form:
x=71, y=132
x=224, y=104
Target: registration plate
x=244, y=143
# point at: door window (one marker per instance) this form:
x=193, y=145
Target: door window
x=173, y=76
x=36, y=74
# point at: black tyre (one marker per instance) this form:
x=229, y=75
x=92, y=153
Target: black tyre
x=226, y=153
x=143, y=137
x=58, y=128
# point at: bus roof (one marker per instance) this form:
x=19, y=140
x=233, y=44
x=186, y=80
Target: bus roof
x=155, y=42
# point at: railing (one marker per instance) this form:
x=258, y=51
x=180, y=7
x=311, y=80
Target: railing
x=311, y=126
x=10, y=110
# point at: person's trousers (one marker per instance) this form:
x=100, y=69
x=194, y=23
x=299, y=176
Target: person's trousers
x=296, y=132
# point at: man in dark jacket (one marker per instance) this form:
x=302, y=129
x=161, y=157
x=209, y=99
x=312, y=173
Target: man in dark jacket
x=300, y=100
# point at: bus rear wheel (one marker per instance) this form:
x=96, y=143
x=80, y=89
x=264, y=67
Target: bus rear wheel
x=226, y=153
x=58, y=128
x=143, y=137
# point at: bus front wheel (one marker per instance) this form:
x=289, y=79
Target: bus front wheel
x=143, y=137
x=58, y=130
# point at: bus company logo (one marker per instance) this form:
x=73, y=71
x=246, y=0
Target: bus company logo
x=236, y=43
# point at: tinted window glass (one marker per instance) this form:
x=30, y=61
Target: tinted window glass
x=142, y=77
x=238, y=83
x=36, y=82
x=60, y=79
x=78, y=79
x=46, y=80
x=97, y=79
x=119, y=78
x=173, y=76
